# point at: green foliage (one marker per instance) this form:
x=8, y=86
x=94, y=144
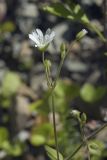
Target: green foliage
x=96, y=149
x=64, y=93
x=13, y=149
x=42, y=134
x=35, y=105
x=10, y=84
x=73, y=12
x=4, y=135
x=53, y=154
x=37, y=139
x=59, y=9
x=7, y=27
x=91, y=94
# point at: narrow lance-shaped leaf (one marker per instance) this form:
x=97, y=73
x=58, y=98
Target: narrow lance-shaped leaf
x=53, y=154
x=75, y=13
x=58, y=9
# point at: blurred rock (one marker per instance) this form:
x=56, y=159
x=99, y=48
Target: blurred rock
x=25, y=56
x=90, y=43
x=75, y=65
x=3, y=9
x=22, y=111
x=93, y=78
x=27, y=14
x=38, y=79
x=23, y=135
x=3, y=154
x=27, y=91
x=104, y=113
x=89, y=2
x=3, y=70
x=60, y=31
x=27, y=10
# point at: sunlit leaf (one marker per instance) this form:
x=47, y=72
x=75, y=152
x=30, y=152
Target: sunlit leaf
x=33, y=106
x=73, y=12
x=90, y=94
x=10, y=84
x=53, y=154
x=96, y=147
x=13, y=149
x=37, y=139
x=7, y=27
x=4, y=135
x=58, y=9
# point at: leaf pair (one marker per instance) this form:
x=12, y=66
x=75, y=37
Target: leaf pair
x=73, y=12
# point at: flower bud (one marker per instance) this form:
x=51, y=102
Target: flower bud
x=81, y=34
x=83, y=118
x=47, y=65
x=75, y=114
x=63, y=50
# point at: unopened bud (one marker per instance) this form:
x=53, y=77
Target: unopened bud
x=81, y=34
x=75, y=114
x=47, y=63
x=83, y=118
x=63, y=50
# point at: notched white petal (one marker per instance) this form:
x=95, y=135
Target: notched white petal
x=34, y=39
x=52, y=35
x=42, y=41
x=48, y=32
x=39, y=33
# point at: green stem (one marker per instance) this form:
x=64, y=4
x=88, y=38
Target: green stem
x=49, y=83
x=54, y=124
x=59, y=70
x=87, y=138
x=85, y=141
x=47, y=77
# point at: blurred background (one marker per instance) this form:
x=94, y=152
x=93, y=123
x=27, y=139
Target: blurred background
x=25, y=115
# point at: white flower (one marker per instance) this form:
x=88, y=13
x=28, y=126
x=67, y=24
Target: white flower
x=42, y=41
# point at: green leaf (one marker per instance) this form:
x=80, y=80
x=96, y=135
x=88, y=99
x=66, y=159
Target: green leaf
x=45, y=129
x=73, y=12
x=96, y=30
x=88, y=92
x=5, y=102
x=7, y=27
x=96, y=147
x=37, y=139
x=10, y=84
x=53, y=154
x=4, y=135
x=91, y=94
x=33, y=106
x=58, y=9
x=13, y=149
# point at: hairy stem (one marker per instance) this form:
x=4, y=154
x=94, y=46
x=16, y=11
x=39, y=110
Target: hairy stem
x=54, y=125
x=49, y=83
x=47, y=77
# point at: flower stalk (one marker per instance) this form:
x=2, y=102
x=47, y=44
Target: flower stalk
x=42, y=42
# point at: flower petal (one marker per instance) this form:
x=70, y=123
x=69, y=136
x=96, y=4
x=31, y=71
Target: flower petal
x=48, y=32
x=52, y=35
x=33, y=38
x=40, y=35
